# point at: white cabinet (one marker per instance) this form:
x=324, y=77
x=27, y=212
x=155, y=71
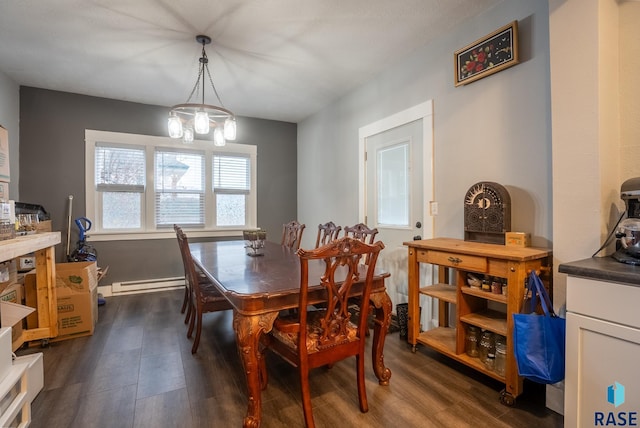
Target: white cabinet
x=602, y=380
x=15, y=407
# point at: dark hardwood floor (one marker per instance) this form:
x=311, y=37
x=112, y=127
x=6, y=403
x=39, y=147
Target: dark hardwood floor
x=137, y=371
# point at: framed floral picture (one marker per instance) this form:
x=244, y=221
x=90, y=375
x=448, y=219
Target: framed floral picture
x=488, y=55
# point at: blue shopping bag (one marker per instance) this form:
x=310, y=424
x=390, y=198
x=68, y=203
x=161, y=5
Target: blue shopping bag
x=539, y=339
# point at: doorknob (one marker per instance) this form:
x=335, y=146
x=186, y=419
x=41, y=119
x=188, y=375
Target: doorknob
x=418, y=224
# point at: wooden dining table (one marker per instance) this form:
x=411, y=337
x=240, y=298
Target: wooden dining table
x=259, y=287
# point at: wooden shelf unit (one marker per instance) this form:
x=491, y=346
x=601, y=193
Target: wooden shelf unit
x=43, y=247
x=454, y=258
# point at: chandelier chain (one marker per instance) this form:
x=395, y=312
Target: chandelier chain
x=215, y=91
x=197, y=84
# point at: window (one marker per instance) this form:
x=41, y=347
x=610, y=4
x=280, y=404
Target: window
x=140, y=184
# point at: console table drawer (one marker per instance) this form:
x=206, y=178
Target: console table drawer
x=454, y=260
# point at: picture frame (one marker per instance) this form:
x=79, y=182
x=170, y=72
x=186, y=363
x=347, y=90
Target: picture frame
x=487, y=55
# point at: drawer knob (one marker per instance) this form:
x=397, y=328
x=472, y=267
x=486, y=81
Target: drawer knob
x=454, y=260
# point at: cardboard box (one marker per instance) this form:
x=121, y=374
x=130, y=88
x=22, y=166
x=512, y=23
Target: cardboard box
x=43, y=226
x=77, y=293
x=8, y=273
x=517, y=239
x=14, y=294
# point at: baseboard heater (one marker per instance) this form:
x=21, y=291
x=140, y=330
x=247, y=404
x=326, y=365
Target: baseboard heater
x=145, y=285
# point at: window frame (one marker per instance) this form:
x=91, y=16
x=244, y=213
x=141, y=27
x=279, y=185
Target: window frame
x=149, y=230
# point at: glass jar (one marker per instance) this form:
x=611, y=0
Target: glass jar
x=471, y=340
x=500, y=362
x=486, y=284
x=487, y=346
x=490, y=362
x=496, y=286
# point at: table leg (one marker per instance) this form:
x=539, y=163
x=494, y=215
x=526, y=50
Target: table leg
x=382, y=303
x=248, y=331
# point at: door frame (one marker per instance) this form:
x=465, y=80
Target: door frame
x=422, y=111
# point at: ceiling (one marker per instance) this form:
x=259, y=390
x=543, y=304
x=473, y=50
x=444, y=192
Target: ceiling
x=272, y=59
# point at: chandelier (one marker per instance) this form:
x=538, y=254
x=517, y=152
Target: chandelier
x=189, y=118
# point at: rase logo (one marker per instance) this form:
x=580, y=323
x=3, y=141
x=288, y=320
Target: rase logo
x=615, y=396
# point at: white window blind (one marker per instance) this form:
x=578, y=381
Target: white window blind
x=231, y=185
x=120, y=177
x=179, y=185
x=120, y=168
x=231, y=174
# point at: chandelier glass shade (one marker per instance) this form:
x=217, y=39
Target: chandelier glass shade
x=186, y=120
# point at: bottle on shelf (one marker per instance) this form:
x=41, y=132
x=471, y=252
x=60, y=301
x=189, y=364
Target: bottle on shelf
x=487, y=346
x=501, y=355
x=472, y=340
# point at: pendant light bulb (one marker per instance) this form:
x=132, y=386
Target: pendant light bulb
x=175, y=127
x=218, y=137
x=188, y=135
x=201, y=122
x=230, y=129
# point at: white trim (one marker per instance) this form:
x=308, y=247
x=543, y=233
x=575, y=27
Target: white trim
x=130, y=287
x=149, y=231
x=422, y=111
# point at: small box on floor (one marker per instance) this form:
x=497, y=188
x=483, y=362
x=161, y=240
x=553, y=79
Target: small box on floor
x=77, y=293
x=77, y=298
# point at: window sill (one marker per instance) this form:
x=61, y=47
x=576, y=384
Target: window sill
x=168, y=234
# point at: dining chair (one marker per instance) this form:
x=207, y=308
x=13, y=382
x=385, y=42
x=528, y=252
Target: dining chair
x=292, y=234
x=361, y=232
x=326, y=233
x=203, y=295
x=313, y=338
x=187, y=302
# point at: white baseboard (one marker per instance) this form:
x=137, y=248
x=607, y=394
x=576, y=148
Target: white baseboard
x=143, y=286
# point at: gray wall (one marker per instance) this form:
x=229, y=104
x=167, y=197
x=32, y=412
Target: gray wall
x=495, y=129
x=52, y=126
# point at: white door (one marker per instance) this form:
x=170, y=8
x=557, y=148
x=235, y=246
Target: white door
x=396, y=191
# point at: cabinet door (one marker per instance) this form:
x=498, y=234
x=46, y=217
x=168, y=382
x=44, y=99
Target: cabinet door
x=602, y=378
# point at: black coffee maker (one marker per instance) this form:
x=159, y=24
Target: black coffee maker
x=628, y=234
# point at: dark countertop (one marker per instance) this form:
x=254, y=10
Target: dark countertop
x=603, y=268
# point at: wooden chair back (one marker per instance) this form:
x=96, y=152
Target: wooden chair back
x=292, y=234
x=361, y=232
x=326, y=233
x=320, y=337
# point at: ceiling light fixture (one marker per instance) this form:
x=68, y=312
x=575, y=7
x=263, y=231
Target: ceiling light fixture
x=188, y=119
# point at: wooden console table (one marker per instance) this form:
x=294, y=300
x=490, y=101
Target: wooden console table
x=482, y=309
x=43, y=246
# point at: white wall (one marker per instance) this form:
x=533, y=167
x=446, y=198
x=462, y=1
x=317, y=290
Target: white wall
x=629, y=89
x=495, y=129
x=9, y=113
x=596, y=131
